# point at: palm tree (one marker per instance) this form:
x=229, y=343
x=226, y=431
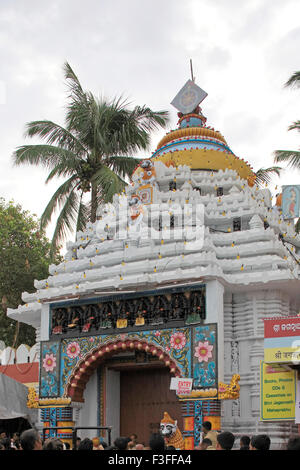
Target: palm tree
x=263, y=175
x=93, y=152
x=290, y=156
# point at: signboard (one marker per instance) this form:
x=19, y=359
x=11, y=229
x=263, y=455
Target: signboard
x=188, y=98
x=282, y=340
x=290, y=201
x=181, y=385
x=297, y=407
x=279, y=327
x=277, y=393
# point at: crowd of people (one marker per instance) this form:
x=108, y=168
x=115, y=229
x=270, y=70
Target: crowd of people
x=210, y=440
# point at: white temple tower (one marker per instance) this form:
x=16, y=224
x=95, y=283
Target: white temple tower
x=193, y=215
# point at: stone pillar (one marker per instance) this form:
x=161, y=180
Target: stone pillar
x=45, y=323
x=215, y=314
x=194, y=413
x=58, y=417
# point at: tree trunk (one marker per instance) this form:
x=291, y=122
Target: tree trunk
x=94, y=203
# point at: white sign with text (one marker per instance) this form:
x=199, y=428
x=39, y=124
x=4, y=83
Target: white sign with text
x=181, y=385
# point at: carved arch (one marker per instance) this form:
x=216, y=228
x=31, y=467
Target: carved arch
x=84, y=369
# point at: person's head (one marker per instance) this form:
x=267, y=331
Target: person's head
x=6, y=442
x=97, y=444
x=16, y=440
x=260, y=442
x=225, y=441
x=139, y=447
x=205, y=444
x=53, y=444
x=31, y=440
x=85, y=444
x=131, y=445
x=104, y=444
x=133, y=437
x=206, y=427
x=293, y=443
x=121, y=443
x=3, y=434
x=67, y=445
x=157, y=442
x=244, y=441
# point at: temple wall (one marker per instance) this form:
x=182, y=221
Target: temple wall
x=88, y=413
x=244, y=349
x=22, y=355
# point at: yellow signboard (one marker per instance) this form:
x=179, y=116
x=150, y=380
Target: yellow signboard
x=277, y=393
x=286, y=354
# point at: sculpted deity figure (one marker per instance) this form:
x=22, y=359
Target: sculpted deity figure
x=171, y=432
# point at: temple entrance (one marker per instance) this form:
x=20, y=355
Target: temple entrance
x=137, y=395
x=144, y=396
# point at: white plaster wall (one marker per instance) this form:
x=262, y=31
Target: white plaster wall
x=215, y=314
x=8, y=356
x=244, y=349
x=89, y=412
x=112, y=410
x=44, y=328
x=23, y=354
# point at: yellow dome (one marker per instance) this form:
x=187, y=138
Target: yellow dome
x=206, y=159
x=190, y=132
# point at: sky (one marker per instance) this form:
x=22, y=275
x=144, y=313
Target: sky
x=243, y=51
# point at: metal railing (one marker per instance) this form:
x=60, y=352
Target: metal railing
x=77, y=428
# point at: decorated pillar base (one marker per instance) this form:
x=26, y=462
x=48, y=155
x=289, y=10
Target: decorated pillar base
x=61, y=417
x=194, y=413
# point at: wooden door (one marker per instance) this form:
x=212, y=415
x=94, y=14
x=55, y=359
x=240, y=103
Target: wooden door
x=144, y=397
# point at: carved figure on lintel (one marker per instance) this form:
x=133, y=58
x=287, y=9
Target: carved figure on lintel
x=149, y=173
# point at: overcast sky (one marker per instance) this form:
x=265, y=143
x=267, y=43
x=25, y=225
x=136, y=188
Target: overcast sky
x=243, y=52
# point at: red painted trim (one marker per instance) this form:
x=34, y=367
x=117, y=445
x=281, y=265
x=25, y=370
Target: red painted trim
x=23, y=373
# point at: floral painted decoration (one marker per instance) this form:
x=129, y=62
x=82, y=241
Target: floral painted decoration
x=203, y=351
x=49, y=362
x=178, y=340
x=73, y=350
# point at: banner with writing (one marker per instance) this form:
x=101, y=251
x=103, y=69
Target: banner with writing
x=277, y=393
x=281, y=327
x=297, y=408
x=181, y=385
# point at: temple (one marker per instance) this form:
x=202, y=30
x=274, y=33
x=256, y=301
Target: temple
x=174, y=279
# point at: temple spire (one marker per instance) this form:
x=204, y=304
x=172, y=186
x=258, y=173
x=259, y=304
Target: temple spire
x=192, y=73
x=190, y=96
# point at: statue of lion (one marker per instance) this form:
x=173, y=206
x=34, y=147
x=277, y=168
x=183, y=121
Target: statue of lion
x=171, y=432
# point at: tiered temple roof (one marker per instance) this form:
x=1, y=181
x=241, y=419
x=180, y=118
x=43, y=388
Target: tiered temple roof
x=239, y=238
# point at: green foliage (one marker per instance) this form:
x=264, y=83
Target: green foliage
x=294, y=80
x=93, y=152
x=291, y=157
x=264, y=175
x=25, y=256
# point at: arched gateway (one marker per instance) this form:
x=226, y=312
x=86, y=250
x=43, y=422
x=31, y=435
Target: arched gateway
x=135, y=393
x=84, y=369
